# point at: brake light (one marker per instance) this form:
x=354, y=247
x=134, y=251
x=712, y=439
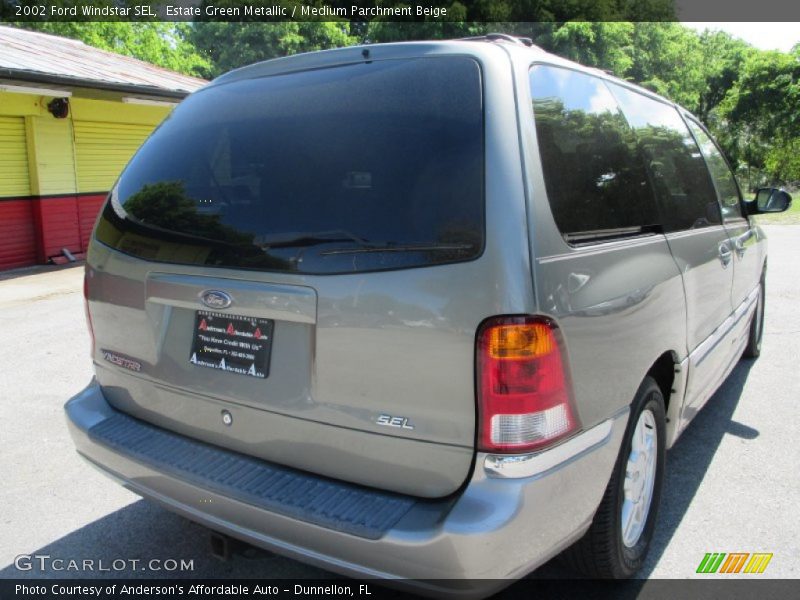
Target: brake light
x=523, y=397
x=86, y=308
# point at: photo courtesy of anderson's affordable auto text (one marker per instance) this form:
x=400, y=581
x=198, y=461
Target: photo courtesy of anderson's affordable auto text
x=189, y=590
x=379, y=300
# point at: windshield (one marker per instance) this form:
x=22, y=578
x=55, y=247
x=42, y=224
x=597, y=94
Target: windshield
x=370, y=166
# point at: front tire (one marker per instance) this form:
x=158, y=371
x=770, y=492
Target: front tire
x=617, y=542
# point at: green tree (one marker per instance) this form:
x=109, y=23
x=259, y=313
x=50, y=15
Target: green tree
x=230, y=45
x=606, y=45
x=667, y=58
x=723, y=58
x=159, y=43
x=761, y=113
x=782, y=160
x=767, y=94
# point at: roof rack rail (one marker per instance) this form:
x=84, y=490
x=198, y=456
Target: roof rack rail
x=502, y=37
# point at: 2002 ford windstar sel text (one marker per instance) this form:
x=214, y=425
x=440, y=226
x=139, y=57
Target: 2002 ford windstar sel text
x=420, y=310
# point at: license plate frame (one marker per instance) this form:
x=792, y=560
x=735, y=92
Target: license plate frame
x=232, y=343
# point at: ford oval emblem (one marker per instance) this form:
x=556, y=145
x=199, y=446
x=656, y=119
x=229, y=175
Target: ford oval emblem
x=216, y=299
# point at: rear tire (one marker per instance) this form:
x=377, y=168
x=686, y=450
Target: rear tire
x=617, y=542
x=753, y=348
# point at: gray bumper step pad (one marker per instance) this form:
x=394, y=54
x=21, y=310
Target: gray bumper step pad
x=344, y=507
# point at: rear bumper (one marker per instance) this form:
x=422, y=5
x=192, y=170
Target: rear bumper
x=504, y=523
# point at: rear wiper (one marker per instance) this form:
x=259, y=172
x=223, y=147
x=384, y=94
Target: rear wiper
x=303, y=240
x=313, y=239
x=398, y=248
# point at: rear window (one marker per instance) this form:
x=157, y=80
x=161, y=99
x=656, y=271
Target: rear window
x=377, y=165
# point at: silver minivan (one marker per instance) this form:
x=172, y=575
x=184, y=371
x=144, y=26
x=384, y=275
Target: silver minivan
x=430, y=311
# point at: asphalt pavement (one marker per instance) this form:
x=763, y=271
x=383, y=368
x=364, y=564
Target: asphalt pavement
x=732, y=479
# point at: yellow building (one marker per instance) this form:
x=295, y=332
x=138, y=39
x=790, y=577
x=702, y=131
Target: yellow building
x=71, y=116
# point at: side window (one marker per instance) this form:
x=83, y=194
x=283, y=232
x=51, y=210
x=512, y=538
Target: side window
x=596, y=180
x=724, y=181
x=680, y=176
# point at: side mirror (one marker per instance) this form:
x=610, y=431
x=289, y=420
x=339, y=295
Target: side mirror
x=769, y=200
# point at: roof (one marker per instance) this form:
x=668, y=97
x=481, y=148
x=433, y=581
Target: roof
x=321, y=59
x=42, y=58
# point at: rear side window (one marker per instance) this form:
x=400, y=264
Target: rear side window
x=354, y=168
x=724, y=181
x=595, y=178
x=680, y=177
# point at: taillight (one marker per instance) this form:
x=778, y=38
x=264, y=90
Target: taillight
x=86, y=308
x=523, y=395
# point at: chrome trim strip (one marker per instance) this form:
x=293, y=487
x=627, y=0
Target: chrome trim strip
x=701, y=352
x=530, y=465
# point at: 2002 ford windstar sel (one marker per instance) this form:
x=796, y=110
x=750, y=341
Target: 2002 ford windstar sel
x=421, y=310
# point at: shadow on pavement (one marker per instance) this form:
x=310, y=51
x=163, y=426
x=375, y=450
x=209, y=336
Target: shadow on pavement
x=144, y=531
x=690, y=457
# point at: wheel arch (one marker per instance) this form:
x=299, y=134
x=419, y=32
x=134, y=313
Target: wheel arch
x=670, y=375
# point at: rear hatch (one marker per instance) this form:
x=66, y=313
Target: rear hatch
x=284, y=269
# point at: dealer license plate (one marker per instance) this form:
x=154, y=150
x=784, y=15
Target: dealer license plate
x=234, y=344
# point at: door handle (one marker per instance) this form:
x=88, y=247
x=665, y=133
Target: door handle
x=739, y=243
x=725, y=254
